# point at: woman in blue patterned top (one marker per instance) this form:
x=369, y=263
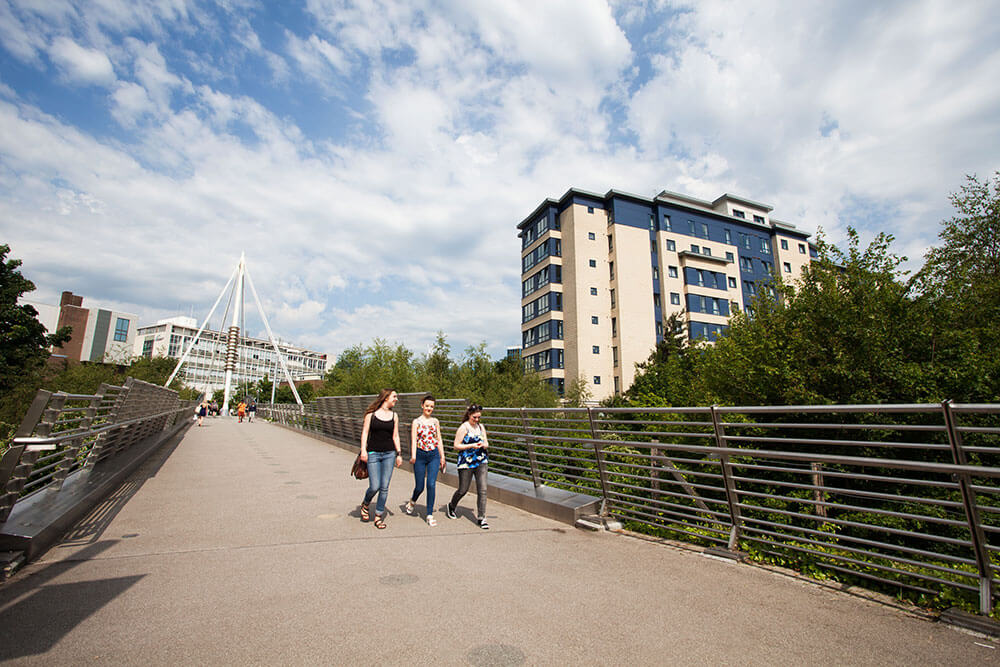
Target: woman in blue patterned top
x=471, y=444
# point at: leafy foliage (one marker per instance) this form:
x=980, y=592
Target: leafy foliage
x=368, y=369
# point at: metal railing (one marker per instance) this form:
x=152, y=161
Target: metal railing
x=62, y=433
x=902, y=495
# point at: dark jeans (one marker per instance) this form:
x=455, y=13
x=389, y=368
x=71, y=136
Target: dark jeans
x=465, y=476
x=426, y=467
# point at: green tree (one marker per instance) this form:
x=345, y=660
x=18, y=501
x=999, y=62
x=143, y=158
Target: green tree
x=24, y=341
x=578, y=392
x=960, y=282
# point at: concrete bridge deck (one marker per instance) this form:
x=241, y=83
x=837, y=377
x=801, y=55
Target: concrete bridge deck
x=241, y=544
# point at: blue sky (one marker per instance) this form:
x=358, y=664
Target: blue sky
x=373, y=159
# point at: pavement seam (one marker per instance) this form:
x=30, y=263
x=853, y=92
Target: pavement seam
x=273, y=545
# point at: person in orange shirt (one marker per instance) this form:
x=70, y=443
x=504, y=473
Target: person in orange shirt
x=241, y=411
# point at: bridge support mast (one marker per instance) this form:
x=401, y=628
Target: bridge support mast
x=233, y=335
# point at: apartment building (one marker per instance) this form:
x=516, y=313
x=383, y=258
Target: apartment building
x=205, y=366
x=99, y=334
x=600, y=274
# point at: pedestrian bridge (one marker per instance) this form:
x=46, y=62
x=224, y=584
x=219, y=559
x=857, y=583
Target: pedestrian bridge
x=242, y=544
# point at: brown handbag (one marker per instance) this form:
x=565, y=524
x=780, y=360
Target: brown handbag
x=360, y=468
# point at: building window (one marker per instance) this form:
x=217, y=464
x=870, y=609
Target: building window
x=652, y=246
x=765, y=245
x=732, y=282
x=666, y=223
x=612, y=298
x=590, y=209
x=675, y=299
x=759, y=219
x=617, y=384
x=672, y=271
x=594, y=319
x=596, y=349
x=597, y=379
x=614, y=356
x=729, y=257
x=729, y=236
x=614, y=326
x=147, y=348
x=610, y=243
x=802, y=248
x=652, y=222
x=121, y=330
x=593, y=291
x=611, y=270
x=691, y=227
x=671, y=246
x=739, y=214
x=706, y=251
x=593, y=263
x=591, y=236
x=787, y=267
x=746, y=263
x=656, y=273
x=695, y=249
x=656, y=300
x=784, y=244
x=704, y=230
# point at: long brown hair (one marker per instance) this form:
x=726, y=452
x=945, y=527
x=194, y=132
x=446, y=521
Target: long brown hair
x=377, y=403
x=473, y=407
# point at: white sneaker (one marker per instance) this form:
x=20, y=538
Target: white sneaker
x=409, y=507
x=431, y=521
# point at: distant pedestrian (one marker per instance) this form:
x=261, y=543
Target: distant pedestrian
x=251, y=411
x=202, y=411
x=241, y=411
x=471, y=444
x=427, y=456
x=380, y=448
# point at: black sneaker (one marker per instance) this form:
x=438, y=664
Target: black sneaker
x=483, y=524
x=449, y=512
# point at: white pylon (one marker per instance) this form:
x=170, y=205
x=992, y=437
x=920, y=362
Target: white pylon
x=233, y=335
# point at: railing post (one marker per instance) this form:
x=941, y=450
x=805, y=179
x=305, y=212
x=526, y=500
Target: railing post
x=971, y=513
x=601, y=465
x=529, y=443
x=727, y=475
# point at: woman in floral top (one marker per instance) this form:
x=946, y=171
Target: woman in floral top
x=427, y=457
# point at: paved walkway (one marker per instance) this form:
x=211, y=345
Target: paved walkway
x=240, y=544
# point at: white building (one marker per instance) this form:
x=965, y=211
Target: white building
x=205, y=366
x=98, y=334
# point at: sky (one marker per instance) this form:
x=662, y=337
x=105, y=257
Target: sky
x=373, y=159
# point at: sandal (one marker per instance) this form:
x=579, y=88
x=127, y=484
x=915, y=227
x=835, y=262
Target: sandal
x=379, y=522
x=365, y=514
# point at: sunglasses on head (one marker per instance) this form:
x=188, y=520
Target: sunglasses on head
x=475, y=408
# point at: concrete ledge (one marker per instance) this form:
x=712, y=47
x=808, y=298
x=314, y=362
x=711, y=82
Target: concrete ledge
x=40, y=520
x=558, y=504
x=963, y=619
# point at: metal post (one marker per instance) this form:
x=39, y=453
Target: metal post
x=971, y=513
x=601, y=466
x=727, y=475
x=536, y=477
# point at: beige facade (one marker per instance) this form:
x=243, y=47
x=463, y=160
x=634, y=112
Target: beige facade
x=601, y=274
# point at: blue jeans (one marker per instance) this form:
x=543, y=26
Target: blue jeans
x=426, y=467
x=380, y=465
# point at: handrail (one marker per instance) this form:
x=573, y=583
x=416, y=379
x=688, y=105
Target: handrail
x=903, y=495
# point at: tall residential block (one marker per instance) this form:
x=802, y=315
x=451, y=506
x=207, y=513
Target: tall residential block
x=600, y=274
x=99, y=334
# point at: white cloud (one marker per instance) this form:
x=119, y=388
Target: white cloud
x=81, y=65
x=463, y=117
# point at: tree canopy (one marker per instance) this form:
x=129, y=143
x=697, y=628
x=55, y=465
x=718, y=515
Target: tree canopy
x=855, y=328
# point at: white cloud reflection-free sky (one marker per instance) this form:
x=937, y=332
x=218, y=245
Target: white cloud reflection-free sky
x=373, y=158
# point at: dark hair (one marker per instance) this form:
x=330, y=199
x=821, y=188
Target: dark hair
x=473, y=407
x=377, y=403
x=426, y=398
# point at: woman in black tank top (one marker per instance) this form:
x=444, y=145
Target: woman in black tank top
x=380, y=448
